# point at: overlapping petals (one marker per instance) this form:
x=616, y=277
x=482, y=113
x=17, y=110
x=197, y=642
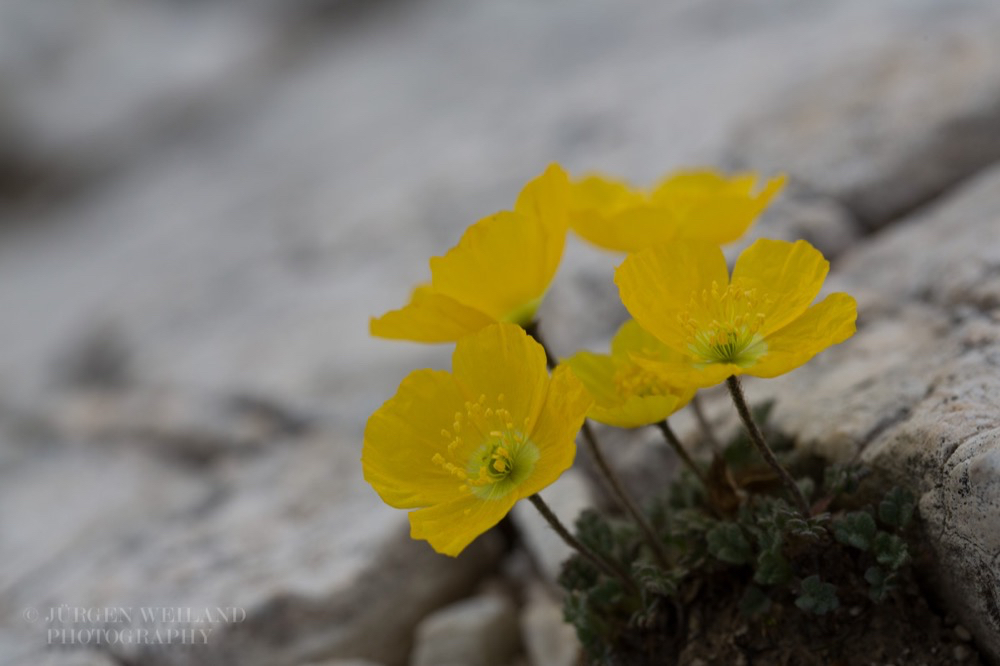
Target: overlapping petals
x=759, y=322
x=498, y=271
x=688, y=205
x=460, y=448
x=628, y=394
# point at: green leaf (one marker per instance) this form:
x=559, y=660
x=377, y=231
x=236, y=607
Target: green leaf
x=754, y=602
x=727, y=543
x=772, y=569
x=856, y=529
x=817, y=597
x=881, y=583
x=577, y=574
x=654, y=579
x=890, y=550
x=593, y=530
x=897, y=507
x=605, y=593
x=839, y=479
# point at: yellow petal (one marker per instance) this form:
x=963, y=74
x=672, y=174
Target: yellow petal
x=403, y=436
x=631, y=339
x=715, y=209
x=429, y=317
x=610, y=215
x=829, y=322
x=657, y=285
x=452, y=526
x=636, y=411
x=502, y=265
x=790, y=275
x=506, y=368
x=597, y=372
x=546, y=198
x=566, y=404
x=688, y=375
x=682, y=188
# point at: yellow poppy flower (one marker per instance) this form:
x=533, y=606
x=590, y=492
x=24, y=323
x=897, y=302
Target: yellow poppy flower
x=694, y=205
x=627, y=394
x=462, y=447
x=499, y=271
x=759, y=322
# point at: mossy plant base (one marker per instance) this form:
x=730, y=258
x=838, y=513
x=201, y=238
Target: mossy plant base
x=750, y=581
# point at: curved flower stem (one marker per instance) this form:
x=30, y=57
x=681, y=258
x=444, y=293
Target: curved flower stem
x=757, y=437
x=704, y=425
x=609, y=475
x=609, y=568
x=626, y=502
x=675, y=444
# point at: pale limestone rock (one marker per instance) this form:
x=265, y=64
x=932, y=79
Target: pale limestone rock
x=292, y=536
x=548, y=639
x=481, y=631
x=887, y=129
x=567, y=497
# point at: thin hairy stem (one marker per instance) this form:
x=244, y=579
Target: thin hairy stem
x=609, y=568
x=624, y=499
x=607, y=473
x=757, y=437
x=704, y=425
x=675, y=444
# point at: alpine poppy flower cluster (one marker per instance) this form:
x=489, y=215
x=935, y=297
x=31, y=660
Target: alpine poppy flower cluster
x=458, y=449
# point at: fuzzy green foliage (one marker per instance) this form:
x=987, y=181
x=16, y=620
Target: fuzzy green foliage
x=763, y=549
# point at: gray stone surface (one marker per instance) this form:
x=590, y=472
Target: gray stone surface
x=886, y=129
x=290, y=537
x=481, y=631
x=548, y=640
x=915, y=393
x=203, y=203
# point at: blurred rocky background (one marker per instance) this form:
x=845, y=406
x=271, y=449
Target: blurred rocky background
x=201, y=203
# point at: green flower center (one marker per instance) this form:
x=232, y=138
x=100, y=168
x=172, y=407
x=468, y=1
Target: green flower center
x=726, y=328
x=500, y=465
x=497, y=466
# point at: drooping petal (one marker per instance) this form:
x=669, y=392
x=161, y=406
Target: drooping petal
x=554, y=433
x=451, y=526
x=829, y=322
x=506, y=368
x=429, y=317
x=502, y=265
x=403, y=436
x=789, y=275
x=657, y=285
